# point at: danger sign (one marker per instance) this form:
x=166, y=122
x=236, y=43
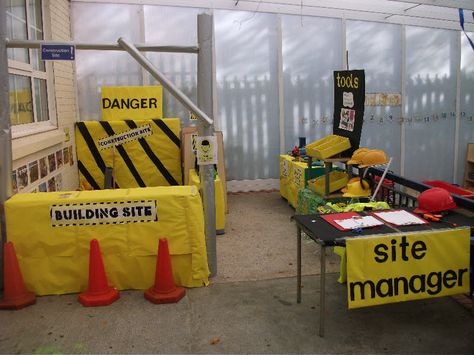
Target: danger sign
x=131, y=102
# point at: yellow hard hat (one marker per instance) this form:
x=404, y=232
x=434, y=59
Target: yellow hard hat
x=357, y=188
x=373, y=157
x=357, y=156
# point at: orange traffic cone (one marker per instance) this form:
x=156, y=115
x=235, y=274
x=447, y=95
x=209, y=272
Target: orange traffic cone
x=15, y=295
x=98, y=292
x=164, y=289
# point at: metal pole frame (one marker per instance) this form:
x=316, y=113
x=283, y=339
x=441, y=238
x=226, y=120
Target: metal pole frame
x=5, y=133
x=206, y=71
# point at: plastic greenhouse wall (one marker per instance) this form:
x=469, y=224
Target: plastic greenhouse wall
x=249, y=47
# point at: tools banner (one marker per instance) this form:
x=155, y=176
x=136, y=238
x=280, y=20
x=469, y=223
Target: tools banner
x=349, y=98
x=407, y=267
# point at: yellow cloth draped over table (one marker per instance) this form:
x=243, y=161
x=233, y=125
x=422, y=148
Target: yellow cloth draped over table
x=52, y=231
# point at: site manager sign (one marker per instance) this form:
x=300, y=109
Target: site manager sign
x=131, y=102
x=403, y=267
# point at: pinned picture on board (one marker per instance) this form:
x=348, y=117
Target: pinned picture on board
x=347, y=119
x=43, y=167
x=51, y=162
x=34, y=171
x=52, y=184
x=206, y=148
x=22, y=175
x=59, y=182
x=42, y=187
x=59, y=158
x=14, y=182
x=71, y=156
x=66, y=155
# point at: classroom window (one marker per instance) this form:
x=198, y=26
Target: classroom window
x=28, y=75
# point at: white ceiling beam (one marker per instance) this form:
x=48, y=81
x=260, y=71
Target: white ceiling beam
x=368, y=10
x=463, y=4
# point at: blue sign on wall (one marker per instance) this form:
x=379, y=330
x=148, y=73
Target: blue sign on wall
x=57, y=52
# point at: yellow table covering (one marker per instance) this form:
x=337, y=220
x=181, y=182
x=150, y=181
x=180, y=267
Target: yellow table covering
x=53, y=251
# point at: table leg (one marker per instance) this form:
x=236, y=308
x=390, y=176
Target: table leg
x=327, y=171
x=322, y=300
x=298, y=265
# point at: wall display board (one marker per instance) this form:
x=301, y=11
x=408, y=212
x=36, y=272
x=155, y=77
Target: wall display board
x=53, y=247
x=396, y=268
x=141, y=152
x=131, y=102
x=349, y=98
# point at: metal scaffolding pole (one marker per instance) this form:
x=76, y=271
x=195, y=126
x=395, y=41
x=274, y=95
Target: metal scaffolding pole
x=167, y=84
x=206, y=127
x=206, y=102
x=5, y=133
x=103, y=46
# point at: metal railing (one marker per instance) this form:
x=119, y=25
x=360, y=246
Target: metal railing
x=395, y=197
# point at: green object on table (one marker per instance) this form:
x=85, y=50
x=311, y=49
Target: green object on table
x=308, y=202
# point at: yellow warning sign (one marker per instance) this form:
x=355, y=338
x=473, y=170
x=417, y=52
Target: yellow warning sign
x=131, y=102
x=395, y=268
x=140, y=153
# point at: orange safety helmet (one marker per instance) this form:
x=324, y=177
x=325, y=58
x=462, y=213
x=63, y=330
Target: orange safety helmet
x=357, y=155
x=357, y=187
x=433, y=200
x=373, y=157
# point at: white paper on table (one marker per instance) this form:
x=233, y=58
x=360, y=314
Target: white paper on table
x=358, y=222
x=399, y=218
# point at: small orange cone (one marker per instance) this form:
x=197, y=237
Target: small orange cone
x=15, y=295
x=164, y=289
x=98, y=292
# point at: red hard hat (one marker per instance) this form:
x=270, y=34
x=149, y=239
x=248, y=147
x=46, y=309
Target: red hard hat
x=434, y=200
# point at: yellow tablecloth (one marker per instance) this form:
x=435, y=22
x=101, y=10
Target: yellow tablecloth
x=54, y=256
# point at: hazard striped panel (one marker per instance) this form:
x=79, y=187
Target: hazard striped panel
x=141, y=153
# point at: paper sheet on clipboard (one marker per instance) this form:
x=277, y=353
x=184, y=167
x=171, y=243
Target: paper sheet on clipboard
x=399, y=218
x=358, y=222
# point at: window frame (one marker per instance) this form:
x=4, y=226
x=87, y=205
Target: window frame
x=16, y=67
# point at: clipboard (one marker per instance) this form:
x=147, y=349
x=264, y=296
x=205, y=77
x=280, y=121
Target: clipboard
x=331, y=219
x=399, y=218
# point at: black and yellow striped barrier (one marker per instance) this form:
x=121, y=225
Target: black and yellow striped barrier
x=141, y=153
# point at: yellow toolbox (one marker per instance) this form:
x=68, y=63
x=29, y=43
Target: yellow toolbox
x=337, y=180
x=327, y=146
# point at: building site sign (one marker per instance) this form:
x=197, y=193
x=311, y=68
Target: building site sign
x=131, y=102
x=125, y=137
x=396, y=268
x=57, y=52
x=93, y=213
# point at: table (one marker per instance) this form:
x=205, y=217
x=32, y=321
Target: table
x=53, y=245
x=327, y=236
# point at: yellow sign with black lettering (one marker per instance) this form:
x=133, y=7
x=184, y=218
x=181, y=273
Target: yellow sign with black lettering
x=140, y=153
x=403, y=267
x=131, y=102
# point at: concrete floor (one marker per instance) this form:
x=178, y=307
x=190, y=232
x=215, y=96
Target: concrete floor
x=250, y=307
